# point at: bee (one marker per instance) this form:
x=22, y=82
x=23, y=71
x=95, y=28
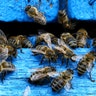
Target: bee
x=25, y=42
x=47, y=53
x=37, y=16
x=19, y=42
x=49, y=38
x=69, y=39
x=42, y=75
x=65, y=51
x=6, y=67
x=64, y=20
x=81, y=37
x=62, y=81
x=86, y=64
x=6, y=49
x=94, y=42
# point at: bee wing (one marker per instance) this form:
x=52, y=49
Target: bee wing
x=37, y=51
x=53, y=74
x=77, y=57
x=8, y=69
x=35, y=69
x=3, y=36
x=27, y=91
x=37, y=77
x=40, y=19
x=67, y=86
x=59, y=49
x=3, y=53
x=89, y=67
x=61, y=42
x=47, y=39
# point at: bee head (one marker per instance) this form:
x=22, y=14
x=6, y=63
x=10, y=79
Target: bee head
x=62, y=13
x=82, y=32
x=70, y=71
x=27, y=7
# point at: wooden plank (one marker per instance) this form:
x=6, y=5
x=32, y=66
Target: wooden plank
x=16, y=82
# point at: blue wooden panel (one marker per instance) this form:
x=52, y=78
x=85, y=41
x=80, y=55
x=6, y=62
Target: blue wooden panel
x=14, y=9
x=82, y=10
x=77, y=9
x=16, y=82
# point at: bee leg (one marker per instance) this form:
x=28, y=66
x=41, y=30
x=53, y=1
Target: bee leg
x=62, y=59
x=41, y=60
x=67, y=62
x=21, y=50
x=3, y=74
x=88, y=45
x=71, y=85
x=10, y=58
x=90, y=77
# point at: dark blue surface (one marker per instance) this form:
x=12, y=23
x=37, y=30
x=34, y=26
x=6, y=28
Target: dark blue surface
x=16, y=82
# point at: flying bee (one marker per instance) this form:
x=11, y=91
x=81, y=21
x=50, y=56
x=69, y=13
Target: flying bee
x=19, y=42
x=69, y=39
x=6, y=67
x=42, y=75
x=86, y=64
x=65, y=51
x=49, y=38
x=64, y=20
x=62, y=81
x=47, y=53
x=37, y=16
x=81, y=37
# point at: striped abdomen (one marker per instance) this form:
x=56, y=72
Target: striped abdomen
x=72, y=42
x=81, y=68
x=14, y=42
x=27, y=43
x=41, y=47
x=81, y=42
x=57, y=84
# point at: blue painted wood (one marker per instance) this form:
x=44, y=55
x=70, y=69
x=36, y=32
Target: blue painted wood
x=15, y=83
x=82, y=9
x=14, y=9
